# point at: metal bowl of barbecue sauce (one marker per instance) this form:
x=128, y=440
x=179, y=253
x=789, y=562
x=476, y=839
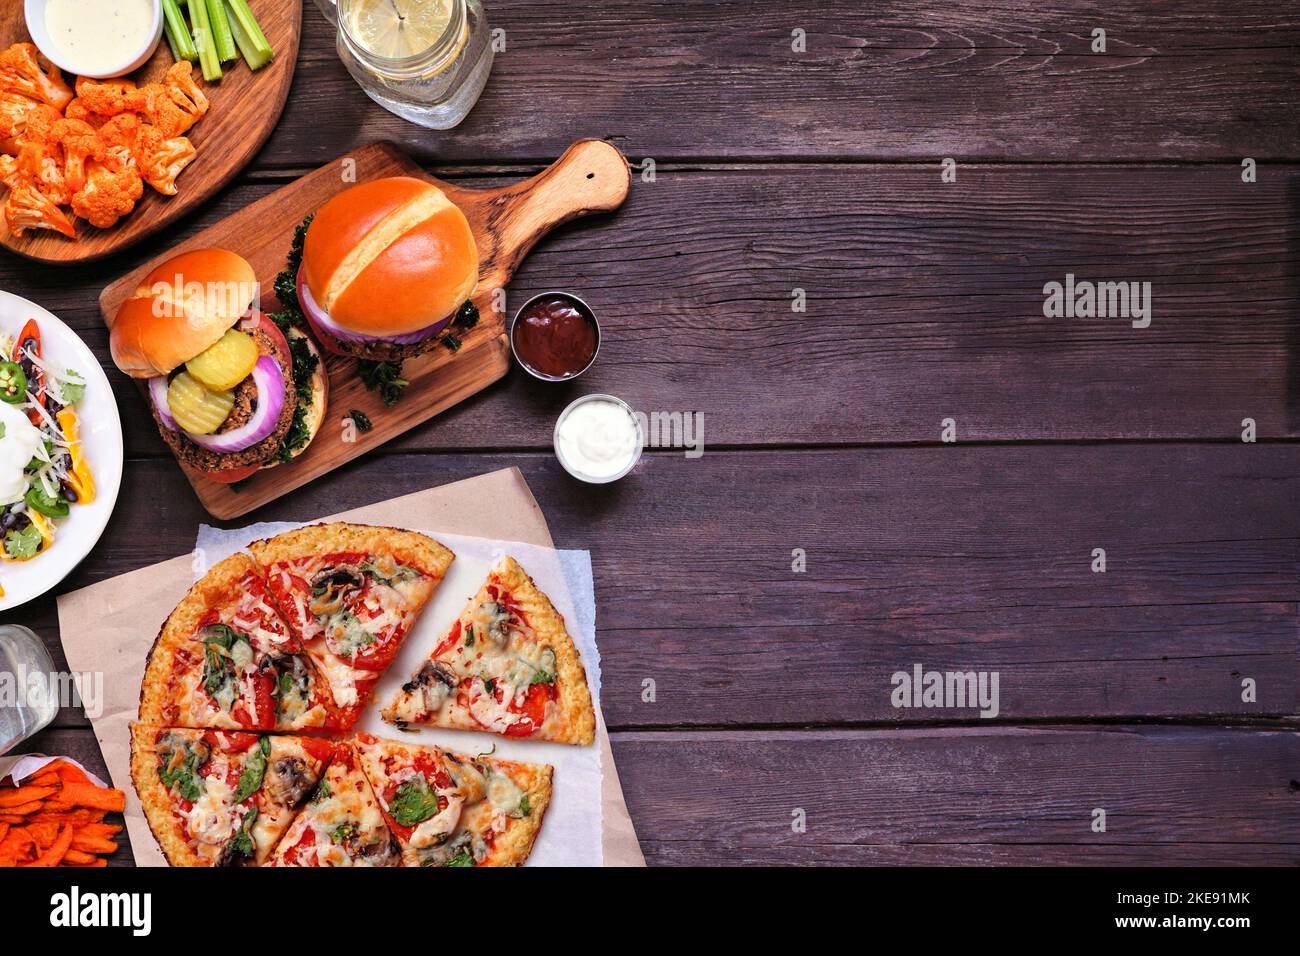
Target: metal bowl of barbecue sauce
x=555, y=336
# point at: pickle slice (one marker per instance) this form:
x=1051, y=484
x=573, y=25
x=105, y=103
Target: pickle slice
x=227, y=363
x=195, y=408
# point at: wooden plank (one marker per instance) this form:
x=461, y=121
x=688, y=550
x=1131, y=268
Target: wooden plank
x=954, y=558
x=1008, y=80
x=924, y=302
x=245, y=107
x=956, y=796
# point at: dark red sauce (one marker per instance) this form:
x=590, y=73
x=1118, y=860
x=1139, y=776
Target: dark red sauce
x=556, y=335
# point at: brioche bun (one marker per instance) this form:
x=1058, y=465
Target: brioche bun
x=390, y=257
x=181, y=308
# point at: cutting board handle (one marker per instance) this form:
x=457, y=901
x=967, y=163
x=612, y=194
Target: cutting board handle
x=591, y=176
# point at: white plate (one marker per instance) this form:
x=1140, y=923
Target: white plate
x=101, y=435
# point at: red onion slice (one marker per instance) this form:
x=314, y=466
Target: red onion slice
x=321, y=320
x=158, y=394
x=270, y=402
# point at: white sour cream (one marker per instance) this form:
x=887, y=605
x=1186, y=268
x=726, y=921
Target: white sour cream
x=597, y=440
x=18, y=446
x=99, y=35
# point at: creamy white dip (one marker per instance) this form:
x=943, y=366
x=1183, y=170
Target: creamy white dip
x=98, y=35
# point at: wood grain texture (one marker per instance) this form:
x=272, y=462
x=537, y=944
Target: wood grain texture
x=507, y=221
x=953, y=558
x=245, y=106
x=958, y=796
x=924, y=302
x=1010, y=80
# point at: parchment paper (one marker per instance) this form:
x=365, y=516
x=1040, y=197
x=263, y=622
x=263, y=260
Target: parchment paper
x=111, y=625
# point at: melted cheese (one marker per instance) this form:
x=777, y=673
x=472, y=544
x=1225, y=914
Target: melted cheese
x=212, y=819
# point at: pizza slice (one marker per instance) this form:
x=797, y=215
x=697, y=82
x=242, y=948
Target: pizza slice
x=222, y=798
x=342, y=825
x=226, y=659
x=352, y=593
x=451, y=810
x=506, y=665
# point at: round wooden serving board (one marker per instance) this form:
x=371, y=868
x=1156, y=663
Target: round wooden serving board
x=245, y=108
x=592, y=176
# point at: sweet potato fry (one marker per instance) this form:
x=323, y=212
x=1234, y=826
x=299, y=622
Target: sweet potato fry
x=68, y=773
x=45, y=778
x=105, y=831
x=75, y=857
x=21, y=795
x=89, y=795
x=44, y=833
x=54, y=854
x=12, y=818
x=16, y=847
x=22, y=809
x=94, y=861
x=4, y=830
x=93, y=844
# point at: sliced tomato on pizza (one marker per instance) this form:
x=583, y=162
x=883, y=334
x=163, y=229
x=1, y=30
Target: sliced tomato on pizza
x=447, y=809
x=226, y=659
x=341, y=825
x=506, y=665
x=352, y=593
x=222, y=798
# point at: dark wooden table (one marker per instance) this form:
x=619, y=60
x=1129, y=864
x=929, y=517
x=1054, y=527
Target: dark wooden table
x=777, y=170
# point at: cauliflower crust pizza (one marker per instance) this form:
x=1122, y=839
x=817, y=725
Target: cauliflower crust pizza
x=294, y=639
x=217, y=798
x=352, y=593
x=226, y=659
x=506, y=665
x=447, y=809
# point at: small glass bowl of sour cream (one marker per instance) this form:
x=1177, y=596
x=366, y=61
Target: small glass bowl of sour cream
x=95, y=38
x=598, y=439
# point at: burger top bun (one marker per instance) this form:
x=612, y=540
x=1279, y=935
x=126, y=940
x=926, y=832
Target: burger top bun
x=181, y=308
x=389, y=257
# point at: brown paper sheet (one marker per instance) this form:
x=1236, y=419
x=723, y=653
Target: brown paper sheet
x=110, y=626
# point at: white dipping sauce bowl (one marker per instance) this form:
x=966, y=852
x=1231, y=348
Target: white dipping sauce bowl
x=576, y=472
x=34, y=11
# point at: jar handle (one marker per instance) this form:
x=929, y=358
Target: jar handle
x=331, y=10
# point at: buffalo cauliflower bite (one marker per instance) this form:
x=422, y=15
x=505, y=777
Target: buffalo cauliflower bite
x=106, y=97
x=162, y=158
x=26, y=72
x=109, y=193
x=175, y=104
x=29, y=208
x=77, y=140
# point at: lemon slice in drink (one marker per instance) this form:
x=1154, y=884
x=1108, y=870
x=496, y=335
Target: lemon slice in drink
x=397, y=29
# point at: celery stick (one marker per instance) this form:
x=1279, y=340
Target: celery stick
x=208, y=60
x=221, y=36
x=248, y=35
x=178, y=33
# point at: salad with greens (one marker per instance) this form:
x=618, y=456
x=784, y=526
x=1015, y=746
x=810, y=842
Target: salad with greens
x=43, y=472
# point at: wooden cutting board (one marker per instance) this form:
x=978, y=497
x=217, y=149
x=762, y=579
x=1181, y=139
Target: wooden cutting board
x=245, y=106
x=591, y=176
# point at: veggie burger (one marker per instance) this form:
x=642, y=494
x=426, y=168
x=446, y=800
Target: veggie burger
x=232, y=392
